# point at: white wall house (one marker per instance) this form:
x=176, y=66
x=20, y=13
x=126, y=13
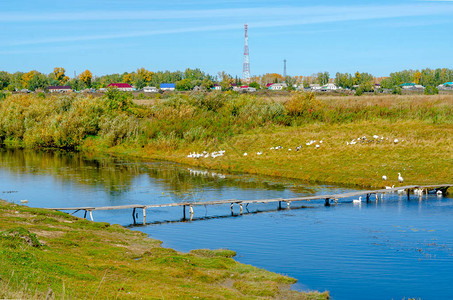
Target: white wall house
x=329, y=87
x=277, y=86
x=217, y=87
x=150, y=89
x=60, y=89
x=315, y=87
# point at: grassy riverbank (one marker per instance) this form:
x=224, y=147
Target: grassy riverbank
x=172, y=127
x=52, y=254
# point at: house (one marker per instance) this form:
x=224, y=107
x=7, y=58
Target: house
x=377, y=86
x=277, y=86
x=167, y=86
x=446, y=86
x=197, y=88
x=217, y=87
x=315, y=87
x=150, y=89
x=418, y=87
x=121, y=86
x=407, y=85
x=329, y=87
x=60, y=89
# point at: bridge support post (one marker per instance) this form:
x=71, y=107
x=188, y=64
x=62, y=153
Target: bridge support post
x=231, y=207
x=327, y=203
x=133, y=214
x=183, y=212
x=91, y=215
x=240, y=205
x=279, y=204
x=367, y=198
x=144, y=215
x=85, y=215
x=287, y=204
x=408, y=195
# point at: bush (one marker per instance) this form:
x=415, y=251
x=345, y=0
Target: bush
x=302, y=104
x=431, y=90
x=397, y=90
x=117, y=100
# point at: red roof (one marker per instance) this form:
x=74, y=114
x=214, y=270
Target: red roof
x=269, y=84
x=244, y=86
x=120, y=85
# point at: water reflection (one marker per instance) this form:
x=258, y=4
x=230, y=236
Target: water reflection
x=116, y=177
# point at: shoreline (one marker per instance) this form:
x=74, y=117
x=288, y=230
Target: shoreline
x=101, y=256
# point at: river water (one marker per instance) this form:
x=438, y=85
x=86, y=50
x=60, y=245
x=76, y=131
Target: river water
x=389, y=249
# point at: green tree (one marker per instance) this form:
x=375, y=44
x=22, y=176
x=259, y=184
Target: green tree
x=255, y=85
x=184, y=85
x=207, y=84
x=431, y=90
x=290, y=82
x=323, y=78
x=5, y=79
x=38, y=81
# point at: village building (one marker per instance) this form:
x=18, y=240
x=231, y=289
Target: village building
x=277, y=86
x=150, y=89
x=217, y=87
x=167, y=86
x=329, y=87
x=412, y=86
x=122, y=87
x=59, y=89
x=446, y=86
x=315, y=87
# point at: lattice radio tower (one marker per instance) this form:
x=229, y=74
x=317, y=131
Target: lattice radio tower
x=246, y=67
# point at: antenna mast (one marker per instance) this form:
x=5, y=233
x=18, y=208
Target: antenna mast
x=246, y=67
x=284, y=68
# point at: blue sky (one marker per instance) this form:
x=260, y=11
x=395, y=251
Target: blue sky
x=120, y=36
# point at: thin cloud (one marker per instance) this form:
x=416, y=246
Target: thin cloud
x=286, y=11
x=308, y=16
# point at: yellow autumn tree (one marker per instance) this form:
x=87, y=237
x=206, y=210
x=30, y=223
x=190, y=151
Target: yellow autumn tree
x=59, y=75
x=127, y=78
x=86, y=77
x=146, y=75
x=26, y=77
x=271, y=78
x=417, y=77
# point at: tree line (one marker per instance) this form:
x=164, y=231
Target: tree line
x=188, y=79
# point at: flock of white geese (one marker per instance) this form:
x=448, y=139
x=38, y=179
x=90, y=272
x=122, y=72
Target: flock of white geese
x=418, y=192
x=316, y=143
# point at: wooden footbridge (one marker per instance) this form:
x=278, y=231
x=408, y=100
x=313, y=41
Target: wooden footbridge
x=328, y=200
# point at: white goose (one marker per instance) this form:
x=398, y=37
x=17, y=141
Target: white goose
x=357, y=201
x=400, y=178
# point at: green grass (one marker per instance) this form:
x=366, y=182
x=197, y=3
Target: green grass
x=76, y=258
x=172, y=127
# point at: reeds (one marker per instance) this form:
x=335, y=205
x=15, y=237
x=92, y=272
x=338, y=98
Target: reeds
x=66, y=121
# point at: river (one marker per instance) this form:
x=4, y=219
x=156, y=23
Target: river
x=389, y=249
